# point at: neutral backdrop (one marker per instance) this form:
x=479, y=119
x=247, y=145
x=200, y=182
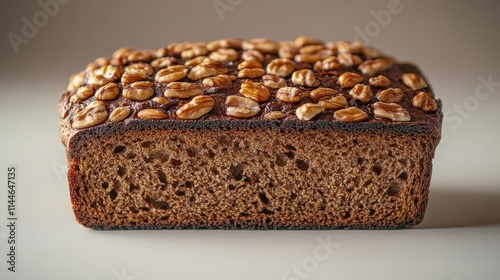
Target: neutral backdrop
x=454, y=42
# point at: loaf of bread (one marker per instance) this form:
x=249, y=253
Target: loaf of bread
x=250, y=134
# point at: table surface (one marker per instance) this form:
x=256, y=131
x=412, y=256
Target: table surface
x=454, y=42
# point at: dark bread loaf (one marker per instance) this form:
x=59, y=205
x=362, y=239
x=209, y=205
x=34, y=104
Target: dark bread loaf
x=250, y=134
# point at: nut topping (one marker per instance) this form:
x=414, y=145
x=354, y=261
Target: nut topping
x=251, y=73
x=263, y=45
x=255, y=91
x=208, y=68
x=151, y=114
x=193, y=52
x=280, y=67
x=414, y=81
x=348, y=59
x=349, y=79
x=361, y=92
x=334, y=102
x=119, y=114
x=224, y=55
x=305, y=77
x=195, y=61
x=327, y=64
x=380, y=81
x=288, y=50
x=81, y=94
x=163, y=62
x=305, y=41
x=425, y=102
x=321, y=93
x=249, y=64
x=183, y=90
x=221, y=80
x=133, y=75
x=139, y=91
x=76, y=80
x=274, y=115
x=390, y=95
x=241, y=107
x=95, y=113
x=140, y=65
x=104, y=75
x=313, y=57
x=289, y=94
x=307, y=111
x=197, y=107
x=252, y=55
x=273, y=81
x=171, y=74
x=351, y=114
x=371, y=67
x=107, y=92
x=390, y=111
x=234, y=43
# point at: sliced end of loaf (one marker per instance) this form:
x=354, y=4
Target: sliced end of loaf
x=252, y=179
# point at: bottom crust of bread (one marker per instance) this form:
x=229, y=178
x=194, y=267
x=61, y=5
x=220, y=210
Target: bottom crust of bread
x=249, y=179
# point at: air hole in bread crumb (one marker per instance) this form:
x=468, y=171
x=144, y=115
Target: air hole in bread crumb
x=372, y=212
x=377, y=170
x=192, y=151
x=119, y=149
x=192, y=199
x=232, y=187
x=394, y=189
x=263, y=198
x=113, y=194
x=158, y=204
x=211, y=154
x=175, y=162
x=131, y=155
x=244, y=214
x=162, y=176
x=360, y=161
x=236, y=172
x=214, y=171
x=180, y=193
x=367, y=182
x=189, y=184
x=122, y=170
x=290, y=147
x=290, y=155
x=293, y=196
x=268, y=220
x=415, y=200
x=267, y=211
x=146, y=144
x=403, y=175
x=302, y=165
x=347, y=215
x=280, y=160
x=105, y=185
x=133, y=187
x=224, y=140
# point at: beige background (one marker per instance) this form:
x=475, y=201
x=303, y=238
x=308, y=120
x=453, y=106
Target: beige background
x=454, y=42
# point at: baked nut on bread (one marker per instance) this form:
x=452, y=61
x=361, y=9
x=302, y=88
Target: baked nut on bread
x=250, y=134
